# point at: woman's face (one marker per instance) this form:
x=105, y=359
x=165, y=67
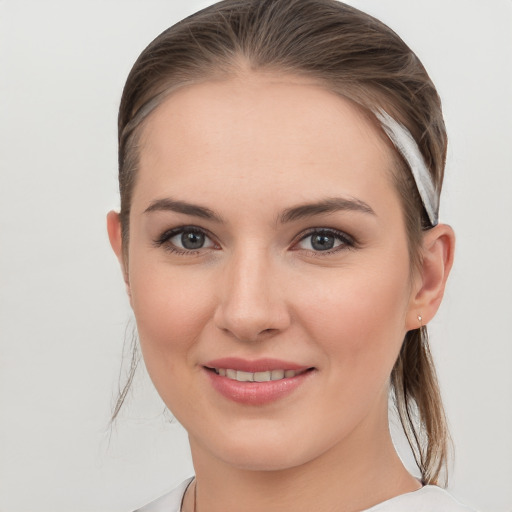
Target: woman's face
x=268, y=269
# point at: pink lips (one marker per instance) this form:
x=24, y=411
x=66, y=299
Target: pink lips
x=255, y=393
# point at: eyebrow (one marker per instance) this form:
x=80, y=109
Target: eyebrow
x=329, y=205
x=302, y=211
x=169, y=204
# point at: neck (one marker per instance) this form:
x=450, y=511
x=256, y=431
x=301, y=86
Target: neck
x=354, y=475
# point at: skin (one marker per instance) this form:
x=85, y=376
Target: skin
x=249, y=149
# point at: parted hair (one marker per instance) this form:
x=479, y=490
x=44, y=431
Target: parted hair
x=347, y=52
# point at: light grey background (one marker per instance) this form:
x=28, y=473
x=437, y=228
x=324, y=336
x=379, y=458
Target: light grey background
x=63, y=312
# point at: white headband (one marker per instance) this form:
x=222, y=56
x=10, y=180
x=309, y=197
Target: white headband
x=405, y=144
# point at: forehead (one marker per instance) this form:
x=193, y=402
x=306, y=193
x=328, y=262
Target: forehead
x=261, y=129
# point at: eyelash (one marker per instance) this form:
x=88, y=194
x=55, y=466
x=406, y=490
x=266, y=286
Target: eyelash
x=347, y=242
x=164, y=240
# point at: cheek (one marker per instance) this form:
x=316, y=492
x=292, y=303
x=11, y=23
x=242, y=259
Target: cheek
x=171, y=308
x=357, y=317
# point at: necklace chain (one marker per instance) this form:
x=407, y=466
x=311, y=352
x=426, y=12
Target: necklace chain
x=194, y=481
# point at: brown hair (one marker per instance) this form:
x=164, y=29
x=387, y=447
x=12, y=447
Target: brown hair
x=350, y=53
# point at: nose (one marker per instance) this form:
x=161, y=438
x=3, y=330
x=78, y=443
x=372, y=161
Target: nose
x=252, y=299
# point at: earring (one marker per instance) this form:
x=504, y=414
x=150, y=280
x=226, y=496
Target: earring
x=423, y=334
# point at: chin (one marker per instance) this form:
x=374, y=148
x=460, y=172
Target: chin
x=258, y=461
x=264, y=453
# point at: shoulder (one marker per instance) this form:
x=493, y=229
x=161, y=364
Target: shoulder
x=170, y=502
x=427, y=499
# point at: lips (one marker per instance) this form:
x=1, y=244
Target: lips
x=256, y=382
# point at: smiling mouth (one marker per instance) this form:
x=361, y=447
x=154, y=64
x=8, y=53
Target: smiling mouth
x=271, y=375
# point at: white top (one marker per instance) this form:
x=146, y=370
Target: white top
x=429, y=498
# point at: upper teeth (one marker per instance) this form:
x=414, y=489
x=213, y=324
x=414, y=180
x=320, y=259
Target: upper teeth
x=256, y=376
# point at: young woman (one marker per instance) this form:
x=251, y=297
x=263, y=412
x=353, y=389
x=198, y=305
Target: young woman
x=280, y=165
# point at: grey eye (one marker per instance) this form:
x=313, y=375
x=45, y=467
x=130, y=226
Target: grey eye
x=322, y=242
x=192, y=240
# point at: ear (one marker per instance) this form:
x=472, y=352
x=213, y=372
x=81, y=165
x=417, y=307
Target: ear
x=116, y=242
x=437, y=259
